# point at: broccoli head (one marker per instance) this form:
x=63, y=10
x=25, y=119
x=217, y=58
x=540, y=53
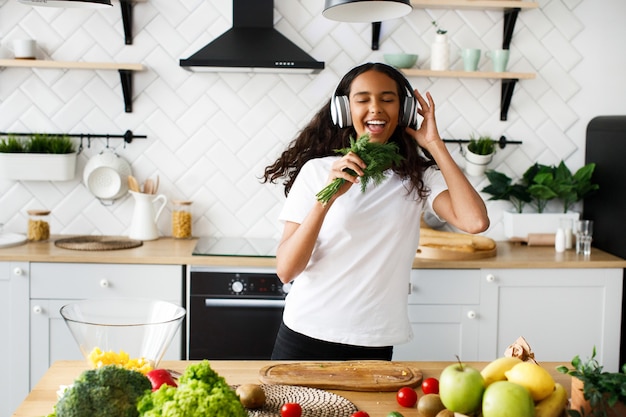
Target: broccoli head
x=110, y=391
x=201, y=392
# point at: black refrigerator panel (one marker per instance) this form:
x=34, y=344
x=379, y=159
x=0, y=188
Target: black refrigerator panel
x=606, y=147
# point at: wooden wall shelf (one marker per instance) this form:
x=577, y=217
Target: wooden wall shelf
x=125, y=70
x=411, y=72
x=508, y=79
x=474, y=4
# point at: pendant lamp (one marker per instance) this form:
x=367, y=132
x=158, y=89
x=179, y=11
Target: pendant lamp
x=365, y=10
x=91, y=4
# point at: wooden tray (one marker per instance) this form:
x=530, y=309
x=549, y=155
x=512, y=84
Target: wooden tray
x=426, y=252
x=344, y=375
x=95, y=243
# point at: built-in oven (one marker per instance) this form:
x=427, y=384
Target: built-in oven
x=233, y=312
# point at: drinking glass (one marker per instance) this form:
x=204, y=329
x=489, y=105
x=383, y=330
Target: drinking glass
x=584, y=232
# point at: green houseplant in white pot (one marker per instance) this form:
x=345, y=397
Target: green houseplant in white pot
x=38, y=157
x=478, y=154
x=540, y=185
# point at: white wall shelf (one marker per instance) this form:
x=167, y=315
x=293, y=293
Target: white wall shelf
x=125, y=70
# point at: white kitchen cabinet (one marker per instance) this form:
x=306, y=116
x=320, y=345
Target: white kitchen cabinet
x=53, y=285
x=444, y=309
x=14, y=335
x=560, y=312
x=478, y=313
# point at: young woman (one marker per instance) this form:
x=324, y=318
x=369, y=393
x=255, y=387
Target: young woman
x=350, y=260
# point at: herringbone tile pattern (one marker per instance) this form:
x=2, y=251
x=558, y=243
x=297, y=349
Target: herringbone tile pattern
x=211, y=134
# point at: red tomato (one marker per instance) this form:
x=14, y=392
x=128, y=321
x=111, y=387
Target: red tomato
x=159, y=377
x=359, y=414
x=430, y=386
x=291, y=410
x=406, y=397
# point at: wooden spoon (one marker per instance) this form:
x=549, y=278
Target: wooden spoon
x=156, y=185
x=148, y=186
x=133, y=184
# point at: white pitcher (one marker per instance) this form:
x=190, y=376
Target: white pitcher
x=143, y=225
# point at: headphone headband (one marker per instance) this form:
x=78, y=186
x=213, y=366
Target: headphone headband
x=340, y=107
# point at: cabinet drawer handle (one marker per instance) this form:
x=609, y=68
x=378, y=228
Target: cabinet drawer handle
x=18, y=271
x=104, y=283
x=37, y=309
x=471, y=314
x=490, y=277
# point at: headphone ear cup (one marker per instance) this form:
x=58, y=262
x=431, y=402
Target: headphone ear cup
x=340, y=111
x=409, y=112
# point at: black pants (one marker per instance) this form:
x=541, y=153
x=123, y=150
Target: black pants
x=291, y=345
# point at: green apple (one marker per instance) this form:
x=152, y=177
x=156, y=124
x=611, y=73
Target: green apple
x=461, y=388
x=507, y=399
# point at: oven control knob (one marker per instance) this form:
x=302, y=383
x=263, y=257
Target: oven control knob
x=286, y=287
x=237, y=286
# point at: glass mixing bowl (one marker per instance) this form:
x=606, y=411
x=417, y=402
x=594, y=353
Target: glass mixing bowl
x=131, y=332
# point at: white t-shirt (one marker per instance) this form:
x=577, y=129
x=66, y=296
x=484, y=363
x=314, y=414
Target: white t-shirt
x=354, y=289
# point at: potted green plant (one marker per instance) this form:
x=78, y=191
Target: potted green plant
x=594, y=391
x=38, y=157
x=539, y=185
x=478, y=155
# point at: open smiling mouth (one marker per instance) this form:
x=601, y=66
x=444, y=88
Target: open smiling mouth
x=375, y=126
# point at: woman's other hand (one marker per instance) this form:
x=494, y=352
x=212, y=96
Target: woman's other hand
x=427, y=133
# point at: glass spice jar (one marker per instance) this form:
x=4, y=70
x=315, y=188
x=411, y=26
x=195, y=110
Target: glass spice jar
x=181, y=219
x=38, y=225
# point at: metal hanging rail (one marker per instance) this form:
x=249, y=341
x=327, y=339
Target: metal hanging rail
x=128, y=136
x=502, y=142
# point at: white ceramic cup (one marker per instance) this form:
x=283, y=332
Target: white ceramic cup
x=500, y=58
x=24, y=48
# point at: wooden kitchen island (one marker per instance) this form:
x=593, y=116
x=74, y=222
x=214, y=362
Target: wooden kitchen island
x=41, y=400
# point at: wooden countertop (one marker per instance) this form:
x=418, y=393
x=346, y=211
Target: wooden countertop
x=168, y=251
x=42, y=398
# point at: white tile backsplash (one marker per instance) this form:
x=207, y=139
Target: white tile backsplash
x=210, y=135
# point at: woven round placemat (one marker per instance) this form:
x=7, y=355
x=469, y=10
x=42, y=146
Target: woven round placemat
x=314, y=402
x=97, y=243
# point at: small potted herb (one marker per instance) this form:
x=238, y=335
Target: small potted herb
x=478, y=155
x=603, y=393
x=38, y=157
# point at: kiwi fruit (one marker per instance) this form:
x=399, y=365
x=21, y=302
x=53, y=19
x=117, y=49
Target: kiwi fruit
x=445, y=413
x=430, y=405
x=251, y=395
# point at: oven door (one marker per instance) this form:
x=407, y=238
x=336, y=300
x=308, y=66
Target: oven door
x=233, y=328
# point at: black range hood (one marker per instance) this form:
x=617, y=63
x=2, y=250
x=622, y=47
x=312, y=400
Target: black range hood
x=252, y=44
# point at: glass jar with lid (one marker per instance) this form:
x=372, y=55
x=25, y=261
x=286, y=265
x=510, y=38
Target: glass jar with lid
x=181, y=219
x=38, y=225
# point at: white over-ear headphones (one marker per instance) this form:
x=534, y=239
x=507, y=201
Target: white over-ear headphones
x=340, y=108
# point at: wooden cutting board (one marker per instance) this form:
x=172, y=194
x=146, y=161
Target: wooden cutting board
x=427, y=252
x=344, y=375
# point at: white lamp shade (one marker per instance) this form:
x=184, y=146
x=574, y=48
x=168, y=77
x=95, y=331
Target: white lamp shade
x=365, y=10
x=87, y=4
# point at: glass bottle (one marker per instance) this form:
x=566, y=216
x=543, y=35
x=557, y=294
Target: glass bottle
x=181, y=219
x=38, y=225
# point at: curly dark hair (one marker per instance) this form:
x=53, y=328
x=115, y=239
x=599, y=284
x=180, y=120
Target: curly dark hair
x=321, y=137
